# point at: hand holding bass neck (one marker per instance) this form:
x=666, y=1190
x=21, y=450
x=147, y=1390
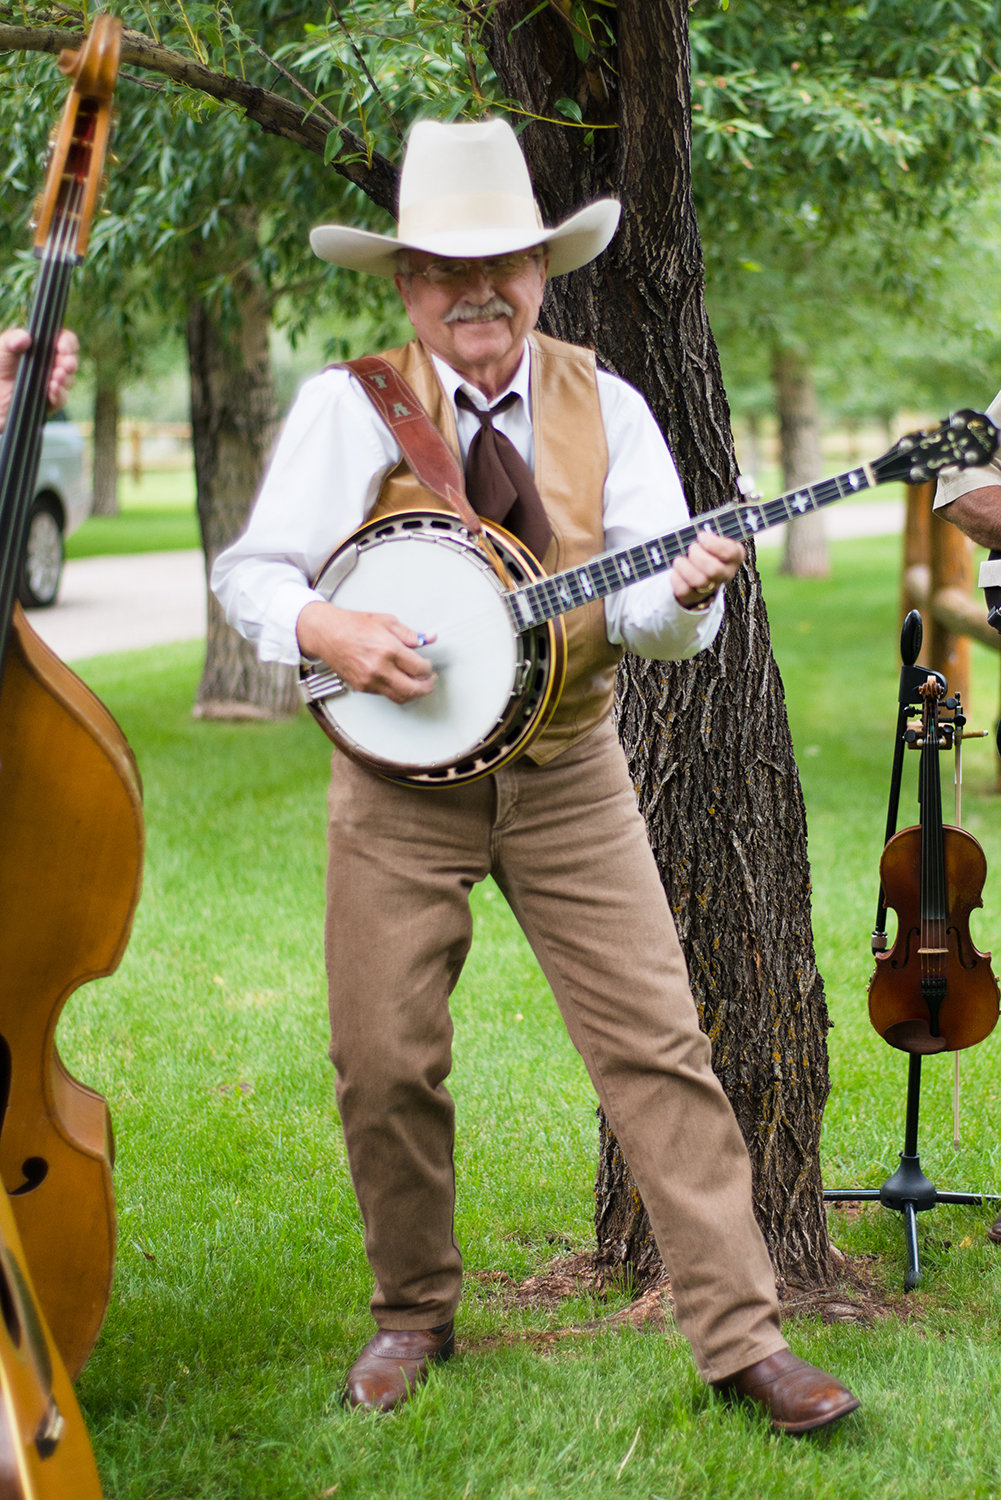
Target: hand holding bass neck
x=62, y=229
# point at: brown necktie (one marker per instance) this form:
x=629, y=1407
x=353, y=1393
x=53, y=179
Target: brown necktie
x=500, y=484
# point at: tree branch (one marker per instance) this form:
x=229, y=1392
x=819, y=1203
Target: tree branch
x=275, y=115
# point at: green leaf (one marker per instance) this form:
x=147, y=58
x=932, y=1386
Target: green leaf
x=570, y=110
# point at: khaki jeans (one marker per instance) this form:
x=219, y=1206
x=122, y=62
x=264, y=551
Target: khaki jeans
x=568, y=848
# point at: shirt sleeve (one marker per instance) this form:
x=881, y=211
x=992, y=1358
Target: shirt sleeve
x=321, y=483
x=644, y=500
x=325, y=475
x=955, y=482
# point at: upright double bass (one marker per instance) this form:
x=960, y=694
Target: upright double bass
x=71, y=823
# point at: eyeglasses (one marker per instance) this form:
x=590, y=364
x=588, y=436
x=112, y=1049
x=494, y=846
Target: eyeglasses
x=451, y=273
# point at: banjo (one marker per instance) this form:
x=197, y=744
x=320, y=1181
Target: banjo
x=500, y=646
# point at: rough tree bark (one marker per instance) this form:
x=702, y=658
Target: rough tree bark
x=232, y=423
x=805, y=551
x=708, y=740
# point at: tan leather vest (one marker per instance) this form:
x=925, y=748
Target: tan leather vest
x=571, y=461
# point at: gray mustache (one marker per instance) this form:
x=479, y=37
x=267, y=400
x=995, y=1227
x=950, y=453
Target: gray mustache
x=465, y=312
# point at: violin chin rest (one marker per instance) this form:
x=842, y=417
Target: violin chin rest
x=914, y=1036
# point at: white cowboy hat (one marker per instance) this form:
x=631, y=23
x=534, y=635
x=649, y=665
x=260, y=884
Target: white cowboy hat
x=465, y=192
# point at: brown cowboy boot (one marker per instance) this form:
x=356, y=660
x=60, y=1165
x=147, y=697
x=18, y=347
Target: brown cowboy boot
x=393, y=1363
x=798, y=1397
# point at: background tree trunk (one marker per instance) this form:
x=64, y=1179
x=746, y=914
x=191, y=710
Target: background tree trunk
x=105, y=469
x=805, y=552
x=708, y=740
x=232, y=424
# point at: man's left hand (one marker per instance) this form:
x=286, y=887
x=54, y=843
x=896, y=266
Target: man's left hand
x=16, y=341
x=708, y=565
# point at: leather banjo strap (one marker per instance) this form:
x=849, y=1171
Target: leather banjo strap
x=422, y=445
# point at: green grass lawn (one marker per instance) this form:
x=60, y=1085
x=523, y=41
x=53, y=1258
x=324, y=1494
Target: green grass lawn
x=156, y=514
x=241, y=1288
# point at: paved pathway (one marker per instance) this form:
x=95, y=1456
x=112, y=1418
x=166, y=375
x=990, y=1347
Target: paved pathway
x=123, y=603
x=111, y=604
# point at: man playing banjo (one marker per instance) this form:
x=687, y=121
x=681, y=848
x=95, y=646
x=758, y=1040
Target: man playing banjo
x=557, y=826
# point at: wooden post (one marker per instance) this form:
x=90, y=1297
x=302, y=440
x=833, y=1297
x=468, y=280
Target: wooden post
x=917, y=548
x=950, y=558
x=937, y=580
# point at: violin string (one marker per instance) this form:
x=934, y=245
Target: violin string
x=940, y=894
x=933, y=893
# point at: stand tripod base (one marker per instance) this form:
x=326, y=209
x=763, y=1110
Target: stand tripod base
x=910, y=1193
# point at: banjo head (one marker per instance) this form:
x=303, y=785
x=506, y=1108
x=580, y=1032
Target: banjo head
x=426, y=570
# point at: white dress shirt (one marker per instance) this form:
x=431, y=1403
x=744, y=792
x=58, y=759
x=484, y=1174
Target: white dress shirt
x=328, y=467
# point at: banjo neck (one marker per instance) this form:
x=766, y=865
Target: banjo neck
x=501, y=652
x=963, y=439
x=611, y=571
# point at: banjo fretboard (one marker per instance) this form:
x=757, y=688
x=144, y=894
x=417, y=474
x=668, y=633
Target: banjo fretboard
x=604, y=575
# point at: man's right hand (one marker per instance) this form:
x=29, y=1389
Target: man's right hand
x=371, y=653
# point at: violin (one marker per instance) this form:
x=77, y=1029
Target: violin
x=934, y=991
x=71, y=823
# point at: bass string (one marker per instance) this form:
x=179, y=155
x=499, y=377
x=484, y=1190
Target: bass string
x=30, y=400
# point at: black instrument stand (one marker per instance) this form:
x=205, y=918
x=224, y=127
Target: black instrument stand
x=908, y=1191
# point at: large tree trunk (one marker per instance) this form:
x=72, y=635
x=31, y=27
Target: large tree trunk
x=232, y=425
x=708, y=740
x=105, y=469
x=805, y=552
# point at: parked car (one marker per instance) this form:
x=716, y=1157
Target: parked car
x=62, y=503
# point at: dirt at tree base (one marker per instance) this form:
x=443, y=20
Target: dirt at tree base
x=857, y=1296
